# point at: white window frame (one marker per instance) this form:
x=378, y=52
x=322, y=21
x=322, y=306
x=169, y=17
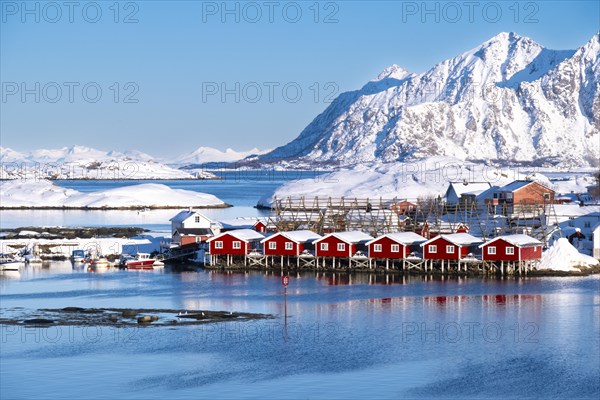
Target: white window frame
x=432, y=248
x=324, y=247
x=491, y=250
x=289, y=245
x=197, y=219
x=272, y=245
x=450, y=248
x=395, y=248
x=377, y=248
x=236, y=245
x=511, y=252
x=218, y=244
x=341, y=247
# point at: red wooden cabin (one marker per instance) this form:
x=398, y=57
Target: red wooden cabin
x=291, y=243
x=450, y=247
x=341, y=244
x=395, y=245
x=236, y=242
x=512, y=248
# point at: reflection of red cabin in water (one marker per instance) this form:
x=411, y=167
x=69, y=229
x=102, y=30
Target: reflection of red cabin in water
x=236, y=242
x=512, y=248
x=442, y=228
x=450, y=247
x=290, y=243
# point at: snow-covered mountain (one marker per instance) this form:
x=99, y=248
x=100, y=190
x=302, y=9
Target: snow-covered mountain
x=508, y=100
x=80, y=162
x=204, y=155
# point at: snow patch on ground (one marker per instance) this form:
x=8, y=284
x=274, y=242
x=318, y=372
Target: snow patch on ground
x=562, y=256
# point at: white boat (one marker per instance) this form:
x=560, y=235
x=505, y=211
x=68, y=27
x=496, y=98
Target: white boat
x=99, y=262
x=9, y=263
x=78, y=256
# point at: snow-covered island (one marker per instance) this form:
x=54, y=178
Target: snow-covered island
x=44, y=194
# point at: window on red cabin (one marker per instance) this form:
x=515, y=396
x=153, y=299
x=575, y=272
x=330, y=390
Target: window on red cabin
x=450, y=249
x=272, y=245
x=218, y=244
x=377, y=247
x=341, y=246
x=324, y=246
x=510, y=250
x=237, y=244
x=289, y=245
x=491, y=249
x=395, y=248
x=432, y=248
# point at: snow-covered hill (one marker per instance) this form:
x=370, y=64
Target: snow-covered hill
x=508, y=100
x=80, y=162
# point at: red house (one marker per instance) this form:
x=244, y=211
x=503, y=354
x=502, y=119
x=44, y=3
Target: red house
x=341, y=244
x=290, y=243
x=236, y=242
x=256, y=224
x=450, y=247
x=395, y=245
x=512, y=248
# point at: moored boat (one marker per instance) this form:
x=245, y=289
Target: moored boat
x=9, y=263
x=139, y=261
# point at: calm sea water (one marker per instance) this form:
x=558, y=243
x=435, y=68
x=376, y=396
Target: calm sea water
x=360, y=336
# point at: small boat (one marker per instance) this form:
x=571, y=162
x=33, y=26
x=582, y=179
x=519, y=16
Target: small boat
x=100, y=262
x=9, y=263
x=78, y=256
x=139, y=261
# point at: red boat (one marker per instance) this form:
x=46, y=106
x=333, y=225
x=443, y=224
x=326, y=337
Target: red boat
x=139, y=261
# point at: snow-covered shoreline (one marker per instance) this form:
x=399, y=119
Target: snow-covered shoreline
x=46, y=195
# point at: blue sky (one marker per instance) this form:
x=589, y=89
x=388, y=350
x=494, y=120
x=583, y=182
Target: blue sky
x=168, y=77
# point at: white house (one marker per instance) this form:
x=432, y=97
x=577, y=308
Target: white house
x=572, y=217
x=457, y=189
x=596, y=242
x=192, y=227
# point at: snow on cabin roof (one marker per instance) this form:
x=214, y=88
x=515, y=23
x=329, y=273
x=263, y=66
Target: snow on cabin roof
x=245, y=235
x=459, y=239
x=518, y=240
x=349, y=237
x=182, y=216
x=301, y=236
x=516, y=185
x=405, y=238
x=575, y=210
x=461, y=188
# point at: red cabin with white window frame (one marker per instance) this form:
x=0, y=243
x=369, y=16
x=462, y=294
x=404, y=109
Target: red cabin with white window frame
x=341, y=244
x=454, y=246
x=395, y=245
x=291, y=243
x=512, y=248
x=236, y=242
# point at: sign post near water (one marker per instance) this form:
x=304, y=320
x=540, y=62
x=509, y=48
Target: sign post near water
x=285, y=281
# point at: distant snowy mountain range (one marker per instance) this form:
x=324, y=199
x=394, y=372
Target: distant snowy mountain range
x=80, y=162
x=204, y=155
x=509, y=100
